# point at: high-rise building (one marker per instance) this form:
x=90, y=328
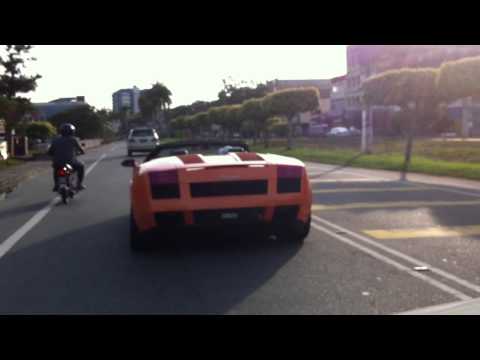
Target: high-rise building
x=127, y=99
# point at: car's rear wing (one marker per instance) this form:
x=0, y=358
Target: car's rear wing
x=202, y=144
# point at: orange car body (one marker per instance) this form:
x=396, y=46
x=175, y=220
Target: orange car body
x=198, y=189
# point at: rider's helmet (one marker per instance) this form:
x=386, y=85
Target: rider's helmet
x=67, y=129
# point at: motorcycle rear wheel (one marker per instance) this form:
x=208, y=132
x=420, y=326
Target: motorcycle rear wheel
x=64, y=195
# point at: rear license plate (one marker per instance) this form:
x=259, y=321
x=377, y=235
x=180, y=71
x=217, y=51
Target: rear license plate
x=229, y=216
x=143, y=140
x=62, y=181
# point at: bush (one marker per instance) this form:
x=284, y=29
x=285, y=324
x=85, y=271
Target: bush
x=40, y=130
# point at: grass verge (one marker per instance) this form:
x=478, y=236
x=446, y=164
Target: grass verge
x=385, y=161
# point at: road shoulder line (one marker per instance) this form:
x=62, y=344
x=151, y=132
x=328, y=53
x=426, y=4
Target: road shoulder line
x=439, y=285
x=400, y=255
x=8, y=243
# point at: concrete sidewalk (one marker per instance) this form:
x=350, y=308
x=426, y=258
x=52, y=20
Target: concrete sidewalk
x=396, y=176
x=12, y=176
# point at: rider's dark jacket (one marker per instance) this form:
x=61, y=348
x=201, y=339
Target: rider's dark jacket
x=64, y=150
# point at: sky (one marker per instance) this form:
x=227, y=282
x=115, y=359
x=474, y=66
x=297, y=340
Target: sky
x=190, y=72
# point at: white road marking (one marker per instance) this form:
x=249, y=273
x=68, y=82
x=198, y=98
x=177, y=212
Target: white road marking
x=401, y=255
x=90, y=168
x=6, y=245
x=386, y=260
x=352, y=180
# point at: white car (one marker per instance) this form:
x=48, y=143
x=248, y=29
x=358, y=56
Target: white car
x=339, y=131
x=142, y=140
x=228, y=149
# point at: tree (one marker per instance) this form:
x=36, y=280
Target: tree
x=459, y=79
x=411, y=90
x=155, y=101
x=278, y=126
x=291, y=102
x=233, y=119
x=236, y=93
x=13, y=81
x=40, y=130
x=88, y=123
x=216, y=116
x=255, y=114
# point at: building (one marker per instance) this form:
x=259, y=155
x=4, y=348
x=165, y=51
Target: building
x=364, y=61
x=127, y=99
x=44, y=111
x=337, y=98
x=324, y=88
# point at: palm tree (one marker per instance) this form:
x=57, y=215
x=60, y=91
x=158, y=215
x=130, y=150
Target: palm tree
x=155, y=101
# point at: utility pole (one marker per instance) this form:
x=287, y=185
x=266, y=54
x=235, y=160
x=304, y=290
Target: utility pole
x=367, y=130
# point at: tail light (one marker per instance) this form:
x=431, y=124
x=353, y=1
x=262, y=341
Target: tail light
x=164, y=184
x=62, y=172
x=289, y=178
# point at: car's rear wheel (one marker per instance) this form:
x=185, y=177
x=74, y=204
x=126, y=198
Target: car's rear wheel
x=138, y=241
x=295, y=232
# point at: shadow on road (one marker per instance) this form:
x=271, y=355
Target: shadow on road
x=92, y=270
x=23, y=209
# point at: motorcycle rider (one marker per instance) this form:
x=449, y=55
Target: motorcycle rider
x=64, y=151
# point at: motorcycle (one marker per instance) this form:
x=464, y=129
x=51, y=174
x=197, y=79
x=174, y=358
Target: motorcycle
x=66, y=182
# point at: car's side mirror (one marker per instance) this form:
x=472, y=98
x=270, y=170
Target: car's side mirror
x=128, y=163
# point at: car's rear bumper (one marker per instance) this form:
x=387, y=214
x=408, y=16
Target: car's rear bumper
x=218, y=218
x=141, y=147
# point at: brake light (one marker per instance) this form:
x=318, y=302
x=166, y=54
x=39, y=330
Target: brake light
x=287, y=171
x=289, y=179
x=61, y=172
x=164, y=184
x=163, y=177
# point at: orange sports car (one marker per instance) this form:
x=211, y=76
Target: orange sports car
x=217, y=184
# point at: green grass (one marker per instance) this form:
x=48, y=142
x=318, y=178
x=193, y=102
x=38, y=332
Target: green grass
x=385, y=161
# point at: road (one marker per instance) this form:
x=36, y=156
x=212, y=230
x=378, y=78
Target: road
x=369, y=232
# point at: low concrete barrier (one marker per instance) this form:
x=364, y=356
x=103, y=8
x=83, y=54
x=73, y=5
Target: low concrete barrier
x=3, y=150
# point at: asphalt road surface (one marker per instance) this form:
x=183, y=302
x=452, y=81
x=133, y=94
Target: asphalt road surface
x=370, y=231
